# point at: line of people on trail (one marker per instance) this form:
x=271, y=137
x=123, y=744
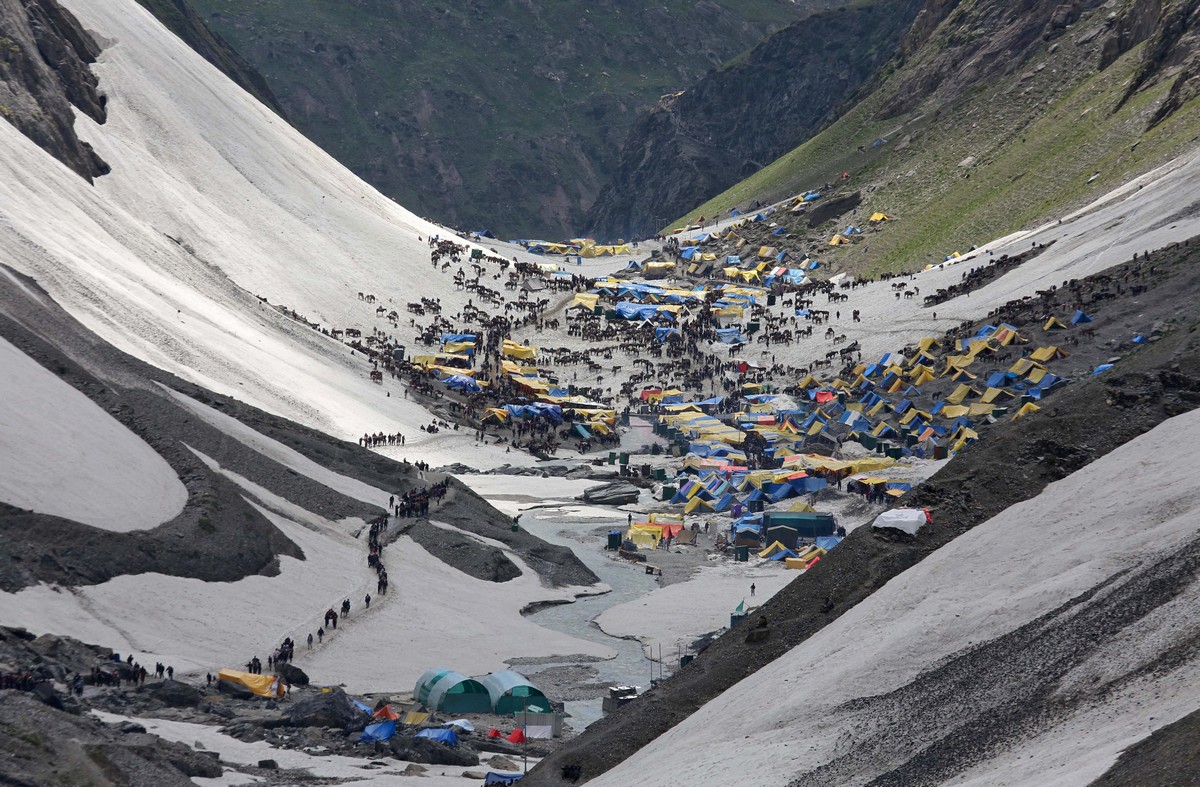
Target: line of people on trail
x=415, y=502
x=379, y=438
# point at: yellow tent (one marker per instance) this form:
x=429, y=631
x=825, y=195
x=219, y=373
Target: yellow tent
x=514, y=350
x=960, y=393
x=990, y=395
x=1023, y=365
x=413, y=718
x=771, y=550
x=1044, y=354
x=878, y=217
x=458, y=347
x=837, y=240
x=261, y=685
x=1053, y=324
x=800, y=507
x=588, y=300
x=666, y=519
x=1026, y=409
x=645, y=536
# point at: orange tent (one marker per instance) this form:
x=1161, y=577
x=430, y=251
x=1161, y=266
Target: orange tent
x=494, y=733
x=387, y=713
x=517, y=736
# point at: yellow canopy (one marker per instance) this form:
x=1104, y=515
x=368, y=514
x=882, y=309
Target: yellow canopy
x=514, y=350
x=261, y=685
x=1044, y=354
x=877, y=217
x=585, y=299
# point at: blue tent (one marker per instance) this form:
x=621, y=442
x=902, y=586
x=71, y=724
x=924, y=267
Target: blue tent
x=382, y=731
x=852, y=230
x=460, y=382
x=1079, y=317
x=778, y=231
x=733, y=259
x=689, y=252
x=583, y=432
x=662, y=334
x=442, y=736
x=782, y=554
x=458, y=337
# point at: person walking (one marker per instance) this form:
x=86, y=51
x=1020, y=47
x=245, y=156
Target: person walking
x=751, y=590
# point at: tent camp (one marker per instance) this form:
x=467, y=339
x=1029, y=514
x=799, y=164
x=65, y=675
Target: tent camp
x=444, y=690
x=445, y=736
x=906, y=520
x=511, y=692
x=242, y=682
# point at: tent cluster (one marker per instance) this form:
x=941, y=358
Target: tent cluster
x=444, y=690
x=583, y=247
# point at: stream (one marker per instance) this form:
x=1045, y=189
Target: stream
x=630, y=667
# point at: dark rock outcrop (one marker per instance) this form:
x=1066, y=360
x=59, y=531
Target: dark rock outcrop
x=44, y=71
x=291, y=674
x=427, y=752
x=741, y=117
x=614, y=494
x=329, y=709
x=177, y=694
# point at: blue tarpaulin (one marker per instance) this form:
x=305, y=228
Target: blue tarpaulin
x=1080, y=316
x=1104, y=367
x=495, y=779
x=442, y=736
x=827, y=542
x=382, y=731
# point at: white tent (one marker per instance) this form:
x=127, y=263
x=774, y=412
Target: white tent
x=908, y=520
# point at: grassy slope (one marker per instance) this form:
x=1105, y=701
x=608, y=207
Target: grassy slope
x=508, y=114
x=1036, y=145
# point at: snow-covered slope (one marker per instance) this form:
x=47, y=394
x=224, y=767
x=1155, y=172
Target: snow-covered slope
x=213, y=200
x=61, y=454
x=1060, y=608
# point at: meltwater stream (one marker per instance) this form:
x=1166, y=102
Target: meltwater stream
x=628, y=582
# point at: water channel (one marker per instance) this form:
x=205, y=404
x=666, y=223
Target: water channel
x=628, y=582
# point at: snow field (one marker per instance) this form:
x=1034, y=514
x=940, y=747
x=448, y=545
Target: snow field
x=682, y=612
x=1124, y=509
x=61, y=454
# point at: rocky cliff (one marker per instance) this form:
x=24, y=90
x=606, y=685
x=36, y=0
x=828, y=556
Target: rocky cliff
x=44, y=71
x=739, y=118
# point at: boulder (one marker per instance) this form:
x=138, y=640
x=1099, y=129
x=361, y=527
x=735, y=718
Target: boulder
x=501, y=763
x=615, y=494
x=269, y=765
x=427, y=752
x=46, y=693
x=177, y=694
x=291, y=674
x=328, y=709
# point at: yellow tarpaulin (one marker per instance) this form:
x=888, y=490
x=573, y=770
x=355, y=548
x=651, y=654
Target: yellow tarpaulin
x=1026, y=409
x=1044, y=354
x=514, y=350
x=261, y=685
x=413, y=718
x=586, y=299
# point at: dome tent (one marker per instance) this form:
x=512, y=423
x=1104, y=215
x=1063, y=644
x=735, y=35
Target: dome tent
x=445, y=690
x=511, y=692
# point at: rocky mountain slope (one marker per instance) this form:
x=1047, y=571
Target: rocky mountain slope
x=737, y=119
x=996, y=116
x=504, y=115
